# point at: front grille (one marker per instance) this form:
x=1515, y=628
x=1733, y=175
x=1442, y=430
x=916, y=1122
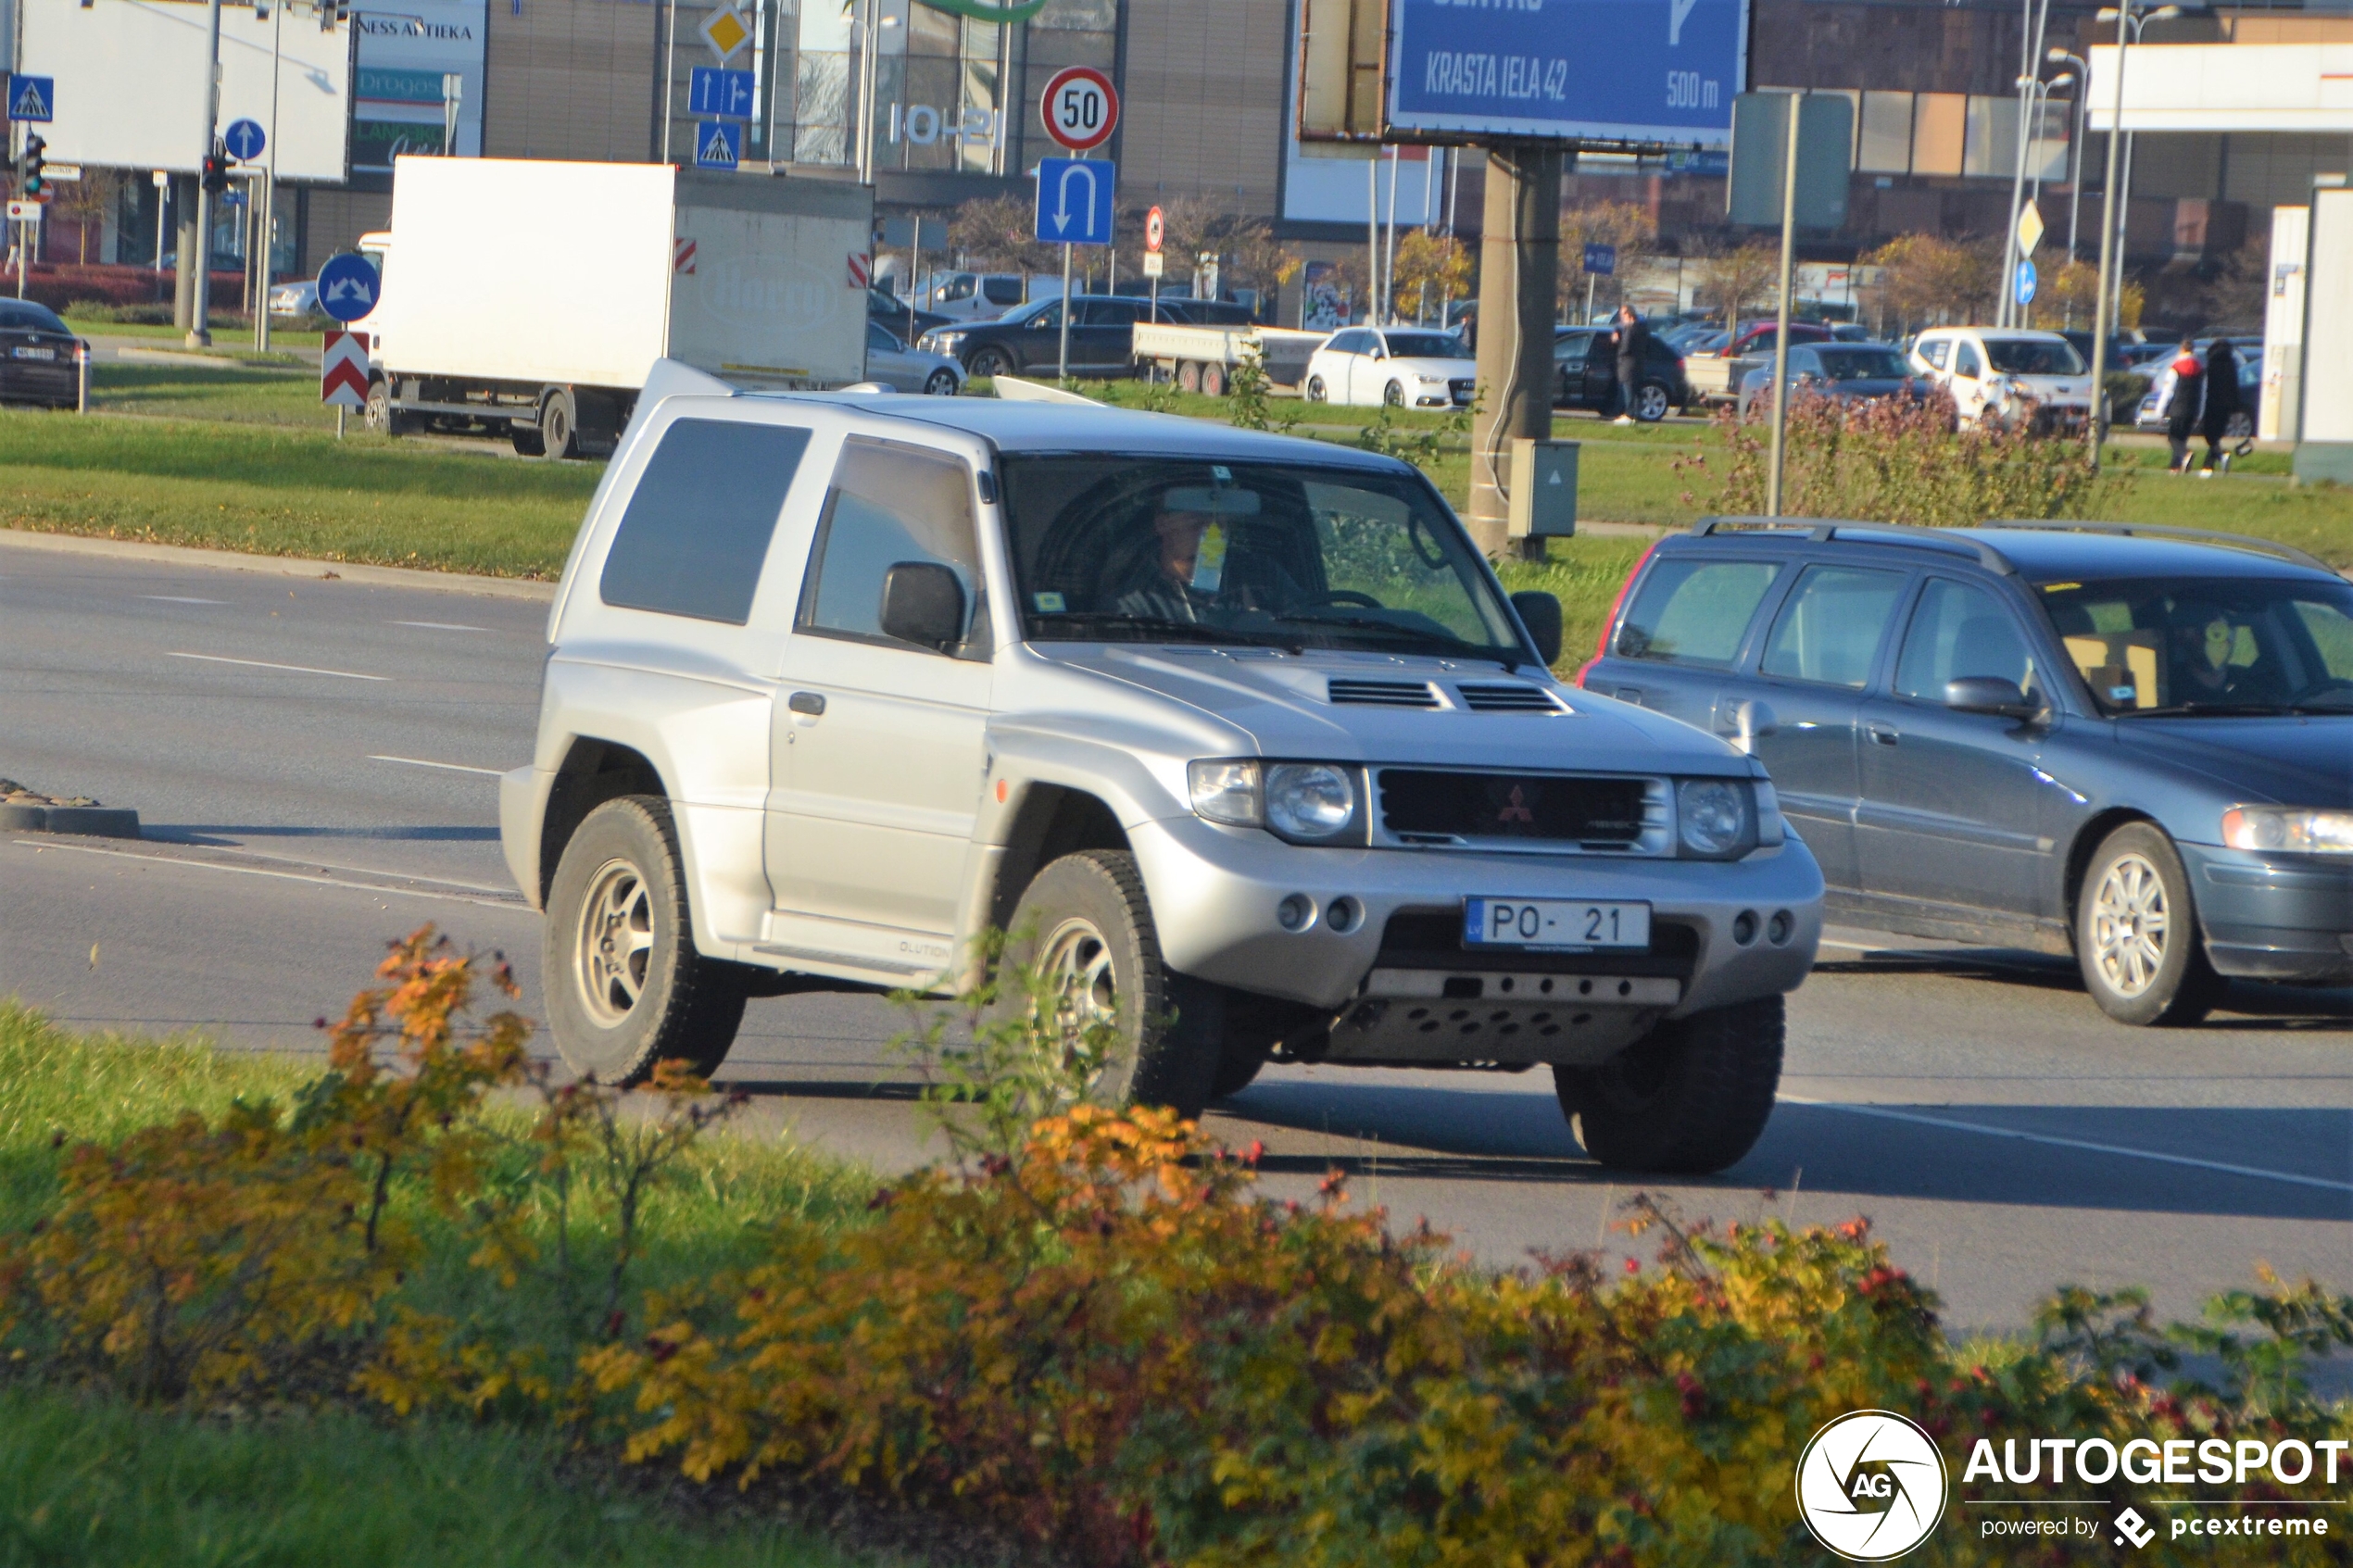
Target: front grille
x=1461, y=390
x=1421, y=806
x=1427, y=939
x=1381, y=694
x=1509, y=696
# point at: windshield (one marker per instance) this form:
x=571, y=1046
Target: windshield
x=2209, y=645
x=2033, y=357
x=1117, y=548
x=1861, y=364
x=1426, y=345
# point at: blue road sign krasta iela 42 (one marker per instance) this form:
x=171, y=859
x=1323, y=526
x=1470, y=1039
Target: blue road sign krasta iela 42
x=32, y=97
x=723, y=95
x=245, y=140
x=1074, y=200
x=718, y=144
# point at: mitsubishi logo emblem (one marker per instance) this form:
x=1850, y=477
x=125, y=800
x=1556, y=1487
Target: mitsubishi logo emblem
x=1517, y=810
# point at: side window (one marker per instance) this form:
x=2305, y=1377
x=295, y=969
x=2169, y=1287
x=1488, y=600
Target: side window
x=1569, y=353
x=1937, y=351
x=1344, y=342
x=1694, y=611
x=1804, y=362
x=695, y=531
x=889, y=503
x=879, y=341
x=1965, y=361
x=1830, y=630
x=1958, y=630
x=1047, y=319
x=1108, y=313
x=1000, y=291
x=958, y=287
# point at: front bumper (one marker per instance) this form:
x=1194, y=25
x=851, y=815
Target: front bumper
x=1215, y=892
x=2274, y=917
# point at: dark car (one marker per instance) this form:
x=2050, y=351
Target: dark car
x=1851, y=373
x=37, y=355
x=893, y=313
x=1589, y=380
x=2129, y=744
x=1027, y=340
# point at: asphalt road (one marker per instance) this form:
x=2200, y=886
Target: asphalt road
x=313, y=760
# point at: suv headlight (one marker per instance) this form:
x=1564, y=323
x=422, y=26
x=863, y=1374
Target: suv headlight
x=1305, y=802
x=2303, y=832
x=1714, y=818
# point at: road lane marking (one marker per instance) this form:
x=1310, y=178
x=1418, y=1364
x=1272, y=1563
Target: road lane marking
x=440, y=626
x=514, y=903
x=2082, y=1144
x=181, y=599
x=421, y=762
x=265, y=664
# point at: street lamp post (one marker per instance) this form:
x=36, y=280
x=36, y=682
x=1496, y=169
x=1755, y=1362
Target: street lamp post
x=2081, y=73
x=2128, y=30
x=2005, y=313
x=199, y=327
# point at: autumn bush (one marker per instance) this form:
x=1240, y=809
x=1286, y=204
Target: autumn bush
x=1087, y=1326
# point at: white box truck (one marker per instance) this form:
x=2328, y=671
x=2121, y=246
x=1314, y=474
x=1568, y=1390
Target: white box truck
x=530, y=298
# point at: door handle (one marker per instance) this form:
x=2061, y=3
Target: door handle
x=1631, y=694
x=810, y=703
x=1884, y=733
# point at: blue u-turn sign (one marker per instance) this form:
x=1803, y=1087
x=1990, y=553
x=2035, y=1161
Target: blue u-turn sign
x=1074, y=200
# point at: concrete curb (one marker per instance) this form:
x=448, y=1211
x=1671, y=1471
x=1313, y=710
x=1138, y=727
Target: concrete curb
x=282, y=566
x=86, y=821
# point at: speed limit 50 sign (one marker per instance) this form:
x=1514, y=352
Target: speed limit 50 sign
x=1081, y=107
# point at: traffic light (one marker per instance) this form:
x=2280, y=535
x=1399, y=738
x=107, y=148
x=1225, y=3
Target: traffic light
x=333, y=11
x=213, y=173
x=33, y=181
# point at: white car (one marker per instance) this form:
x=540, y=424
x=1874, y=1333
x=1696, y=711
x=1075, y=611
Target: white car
x=2005, y=374
x=981, y=296
x=296, y=299
x=1410, y=367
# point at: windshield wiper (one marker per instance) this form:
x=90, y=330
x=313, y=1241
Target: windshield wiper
x=1157, y=628
x=2195, y=709
x=1510, y=659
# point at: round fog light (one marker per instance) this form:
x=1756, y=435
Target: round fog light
x=1345, y=915
x=1744, y=927
x=1777, y=930
x=1296, y=912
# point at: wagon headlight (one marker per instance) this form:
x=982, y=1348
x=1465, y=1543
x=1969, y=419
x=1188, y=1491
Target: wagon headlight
x=2302, y=833
x=1716, y=818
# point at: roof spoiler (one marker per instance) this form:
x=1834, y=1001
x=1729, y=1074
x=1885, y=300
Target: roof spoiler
x=1013, y=389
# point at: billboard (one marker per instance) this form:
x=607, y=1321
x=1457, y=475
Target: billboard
x=1629, y=72
x=408, y=52
x=130, y=83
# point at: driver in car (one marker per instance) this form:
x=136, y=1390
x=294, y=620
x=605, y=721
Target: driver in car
x=2204, y=640
x=1188, y=573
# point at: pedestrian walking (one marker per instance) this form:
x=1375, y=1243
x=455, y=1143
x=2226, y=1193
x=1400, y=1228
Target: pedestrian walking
x=2187, y=403
x=1634, y=337
x=2221, y=403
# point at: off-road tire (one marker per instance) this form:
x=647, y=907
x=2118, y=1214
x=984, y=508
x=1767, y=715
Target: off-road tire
x=1689, y=1097
x=685, y=1007
x=2137, y=869
x=1169, y=1025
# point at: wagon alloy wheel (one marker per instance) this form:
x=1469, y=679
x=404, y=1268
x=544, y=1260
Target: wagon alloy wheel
x=616, y=945
x=1650, y=403
x=941, y=383
x=2136, y=933
x=2129, y=925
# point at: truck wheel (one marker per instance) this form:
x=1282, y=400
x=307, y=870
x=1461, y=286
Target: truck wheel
x=558, y=424
x=1086, y=926
x=526, y=440
x=2136, y=935
x=1691, y=1096
x=379, y=415
x=1189, y=376
x=625, y=987
x=1213, y=380
x=990, y=362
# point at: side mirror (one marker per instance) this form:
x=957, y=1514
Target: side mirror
x=924, y=604
x=1989, y=694
x=1540, y=613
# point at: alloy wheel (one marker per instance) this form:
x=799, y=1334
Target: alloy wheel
x=615, y=949
x=2129, y=924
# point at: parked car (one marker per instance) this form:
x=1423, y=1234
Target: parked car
x=2125, y=743
x=1691, y=337
x=1714, y=372
x=38, y=355
x=1851, y=373
x=1404, y=366
x=1027, y=341
x=2151, y=412
x=1590, y=380
x=903, y=369
x=2004, y=374
x=982, y=296
x=893, y=313
x=1237, y=734
x=300, y=298
x=2123, y=353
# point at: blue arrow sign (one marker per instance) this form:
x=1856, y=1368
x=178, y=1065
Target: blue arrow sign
x=1600, y=260
x=1074, y=200
x=726, y=93
x=2026, y=281
x=32, y=97
x=347, y=287
x=718, y=144
x=244, y=139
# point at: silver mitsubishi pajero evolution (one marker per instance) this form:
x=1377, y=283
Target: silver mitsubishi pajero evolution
x=1237, y=734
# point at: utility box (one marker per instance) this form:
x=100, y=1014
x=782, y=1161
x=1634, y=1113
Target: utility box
x=1543, y=498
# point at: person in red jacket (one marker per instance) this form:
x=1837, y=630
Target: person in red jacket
x=2187, y=405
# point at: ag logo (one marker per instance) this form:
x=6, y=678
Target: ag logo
x=1870, y=1485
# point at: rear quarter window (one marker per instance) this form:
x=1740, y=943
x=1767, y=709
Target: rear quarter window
x=1694, y=611
x=696, y=532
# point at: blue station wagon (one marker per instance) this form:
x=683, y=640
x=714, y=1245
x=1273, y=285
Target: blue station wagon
x=2131, y=744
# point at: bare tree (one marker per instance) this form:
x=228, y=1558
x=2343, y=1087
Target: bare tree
x=85, y=202
x=1627, y=226
x=1735, y=280
x=996, y=234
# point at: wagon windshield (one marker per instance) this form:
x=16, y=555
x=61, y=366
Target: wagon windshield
x=1118, y=548
x=2223, y=645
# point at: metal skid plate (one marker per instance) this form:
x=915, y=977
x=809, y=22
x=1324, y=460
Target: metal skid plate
x=1435, y=1015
